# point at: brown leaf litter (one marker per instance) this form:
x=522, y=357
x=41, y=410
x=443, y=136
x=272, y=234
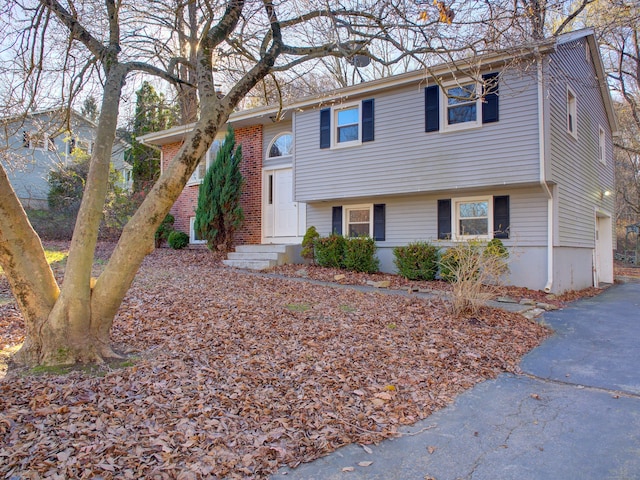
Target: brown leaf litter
x=238, y=374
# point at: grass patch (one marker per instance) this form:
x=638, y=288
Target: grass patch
x=55, y=258
x=347, y=308
x=298, y=307
x=89, y=369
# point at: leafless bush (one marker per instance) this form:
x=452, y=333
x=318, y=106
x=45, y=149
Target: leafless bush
x=473, y=268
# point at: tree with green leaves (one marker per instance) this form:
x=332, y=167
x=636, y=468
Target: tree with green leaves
x=152, y=114
x=219, y=213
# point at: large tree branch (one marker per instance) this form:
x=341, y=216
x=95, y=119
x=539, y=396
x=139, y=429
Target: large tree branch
x=75, y=28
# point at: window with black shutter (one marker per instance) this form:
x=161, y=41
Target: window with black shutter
x=444, y=219
x=501, y=222
x=379, y=222
x=336, y=220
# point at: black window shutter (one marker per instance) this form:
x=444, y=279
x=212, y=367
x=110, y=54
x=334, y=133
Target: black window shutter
x=444, y=219
x=325, y=128
x=432, y=108
x=367, y=120
x=379, y=222
x=490, y=110
x=501, y=224
x=336, y=220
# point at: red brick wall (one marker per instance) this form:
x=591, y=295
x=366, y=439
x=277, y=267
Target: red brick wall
x=251, y=201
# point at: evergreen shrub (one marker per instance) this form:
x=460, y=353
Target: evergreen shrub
x=329, y=251
x=417, y=261
x=359, y=255
x=178, y=240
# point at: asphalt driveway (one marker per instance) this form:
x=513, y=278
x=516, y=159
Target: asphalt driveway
x=574, y=413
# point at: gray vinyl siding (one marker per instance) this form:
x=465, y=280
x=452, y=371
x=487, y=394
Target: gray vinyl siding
x=404, y=159
x=412, y=218
x=575, y=164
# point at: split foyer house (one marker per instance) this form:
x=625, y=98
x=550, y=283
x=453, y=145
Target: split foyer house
x=514, y=145
x=35, y=144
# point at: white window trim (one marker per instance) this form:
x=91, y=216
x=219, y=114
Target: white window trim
x=345, y=217
x=602, y=145
x=273, y=140
x=572, y=109
x=455, y=235
x=209, y=159
x=192, y=233
x=46, y=141
x=444, y=107
x=334, y=125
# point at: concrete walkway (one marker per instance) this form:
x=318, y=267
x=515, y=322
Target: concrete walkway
x=574, y=413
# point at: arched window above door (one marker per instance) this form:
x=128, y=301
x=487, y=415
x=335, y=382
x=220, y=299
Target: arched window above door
x=281, y=146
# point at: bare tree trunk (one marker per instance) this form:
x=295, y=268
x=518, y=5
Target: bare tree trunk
x=30, y=277
x=59, y=321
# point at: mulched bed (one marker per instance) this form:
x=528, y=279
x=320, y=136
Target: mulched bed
x=236, y=374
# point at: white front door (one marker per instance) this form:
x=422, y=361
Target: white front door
x=285, y=220
x=281, y=214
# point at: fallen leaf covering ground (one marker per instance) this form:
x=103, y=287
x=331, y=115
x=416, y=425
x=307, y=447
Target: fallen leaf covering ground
x=236, y=374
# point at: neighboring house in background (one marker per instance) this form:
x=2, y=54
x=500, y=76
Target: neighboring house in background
x=36, y=143
x=420, y=156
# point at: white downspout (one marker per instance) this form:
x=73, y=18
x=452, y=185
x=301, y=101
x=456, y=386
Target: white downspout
x=543, y=180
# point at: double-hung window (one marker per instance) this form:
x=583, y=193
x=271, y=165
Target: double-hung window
x=472, y=218
x=201, y=170
x=462, y=106
x=358, y=220
x=482, y=217
x=347, y=125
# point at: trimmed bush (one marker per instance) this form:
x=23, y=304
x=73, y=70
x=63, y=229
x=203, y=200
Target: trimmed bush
x=417, y=261
x=359, y=255
x=164, y=230
x=308, y=243
x=178, y=240
x=329, y=251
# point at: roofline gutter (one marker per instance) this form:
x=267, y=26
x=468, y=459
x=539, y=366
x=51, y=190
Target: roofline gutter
x=543, y=180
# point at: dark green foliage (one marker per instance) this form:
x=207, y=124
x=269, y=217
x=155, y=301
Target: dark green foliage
x=152, y=115
x=67, y=184
x=90, y=109
x=308, y=242
x=219, y=214
x=330, y=251
x=52, y=225
x=164, y=230
x=178, y=240
x=359, y=255
x=417, y=261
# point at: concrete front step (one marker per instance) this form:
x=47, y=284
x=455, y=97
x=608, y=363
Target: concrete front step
x=261, y=257
x=265, y=248
x=253, y=255
x=250, y=264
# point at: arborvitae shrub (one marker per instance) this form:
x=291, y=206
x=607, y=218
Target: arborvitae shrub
x=308, y=243
x=417, y=261
x=360, y=255
x=178, y=240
